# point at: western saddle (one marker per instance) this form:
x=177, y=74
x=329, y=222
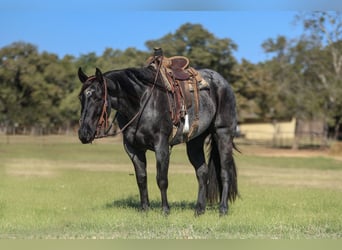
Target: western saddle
x=180, y=80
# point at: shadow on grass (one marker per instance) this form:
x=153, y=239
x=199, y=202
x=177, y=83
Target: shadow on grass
x=133, y=202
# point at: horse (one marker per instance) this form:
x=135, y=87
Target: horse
x=143, y=114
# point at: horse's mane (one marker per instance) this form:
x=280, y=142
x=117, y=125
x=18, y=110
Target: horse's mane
x=141, y=73
x=144, y=75
x=130, y=78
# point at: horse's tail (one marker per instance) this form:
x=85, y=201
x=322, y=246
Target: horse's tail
x=214, y=186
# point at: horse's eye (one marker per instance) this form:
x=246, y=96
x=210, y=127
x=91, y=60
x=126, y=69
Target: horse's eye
x=88, y=93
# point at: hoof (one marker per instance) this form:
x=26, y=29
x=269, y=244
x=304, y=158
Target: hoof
x=166, y=211
x=223, y=212
x=199, y=212
x=144, y=208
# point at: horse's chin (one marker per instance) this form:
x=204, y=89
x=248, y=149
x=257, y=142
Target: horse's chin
x=86, y=141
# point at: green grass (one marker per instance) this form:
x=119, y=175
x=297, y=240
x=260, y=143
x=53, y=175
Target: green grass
x=58, y=188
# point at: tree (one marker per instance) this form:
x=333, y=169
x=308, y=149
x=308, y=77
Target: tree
x=117, y=59
x=32, y=82
x=17, y=62
x=298, y=87
x=325, y=29
x=258, y=94
x=291, y=73
x=202, y=48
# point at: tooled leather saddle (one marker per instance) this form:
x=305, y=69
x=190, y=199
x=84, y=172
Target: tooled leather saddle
x=180, y=80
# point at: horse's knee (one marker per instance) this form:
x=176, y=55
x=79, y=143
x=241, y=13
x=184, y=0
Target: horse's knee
x=162, y=182
x=202, y=171
x=141, y=178
x=202, y=175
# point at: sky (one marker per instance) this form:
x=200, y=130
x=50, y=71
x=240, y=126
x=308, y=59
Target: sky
x=79, y=27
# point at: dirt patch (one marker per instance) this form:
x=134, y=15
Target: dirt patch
x=30, y=167
x=46, y=168
x=329, y=179
x=269, y=152
x=94, y=167
x=336, y=149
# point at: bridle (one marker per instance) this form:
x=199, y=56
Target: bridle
x=102, y=123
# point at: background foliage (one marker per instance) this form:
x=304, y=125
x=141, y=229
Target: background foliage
x=301, y=79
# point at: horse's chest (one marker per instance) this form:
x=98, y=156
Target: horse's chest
x=148, y=133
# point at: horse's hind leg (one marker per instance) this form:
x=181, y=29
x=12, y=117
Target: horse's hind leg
x=196, y=156
x=228, y=172
x=139, y=161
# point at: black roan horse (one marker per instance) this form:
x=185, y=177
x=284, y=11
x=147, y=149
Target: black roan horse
x=143, y=114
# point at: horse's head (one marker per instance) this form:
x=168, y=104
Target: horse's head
x=94, y=105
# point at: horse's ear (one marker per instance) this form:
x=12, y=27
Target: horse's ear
x=99, y=75
x=82, y=76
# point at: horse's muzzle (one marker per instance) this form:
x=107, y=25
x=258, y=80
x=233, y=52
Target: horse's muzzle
x=85, y=135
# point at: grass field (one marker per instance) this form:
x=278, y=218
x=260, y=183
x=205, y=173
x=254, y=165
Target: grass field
x=54, y=187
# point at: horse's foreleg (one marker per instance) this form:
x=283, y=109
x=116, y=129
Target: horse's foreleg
x=162, y=159
x=139, y=161
x=197, y=159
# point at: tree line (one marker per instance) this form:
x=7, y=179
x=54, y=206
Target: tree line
x=303, y=78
